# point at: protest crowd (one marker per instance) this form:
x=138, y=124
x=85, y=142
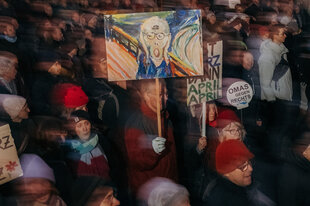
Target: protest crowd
x=83, y=140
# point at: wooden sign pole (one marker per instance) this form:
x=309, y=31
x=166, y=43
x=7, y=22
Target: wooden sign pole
x=203, y=121
x=158, y=107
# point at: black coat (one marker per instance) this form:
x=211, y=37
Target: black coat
x=225, y=193
x=294, y=181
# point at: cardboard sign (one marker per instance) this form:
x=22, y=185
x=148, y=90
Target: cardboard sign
x=239, y=94
x=10, y=167
x=154, y=45
x=209, y=87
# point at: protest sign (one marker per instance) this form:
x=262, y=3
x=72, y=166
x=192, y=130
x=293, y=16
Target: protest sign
x=154, y=45
x=208, y=87
x=10, y=167
x=239, y=94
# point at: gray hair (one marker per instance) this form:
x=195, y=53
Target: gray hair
x=6, y=64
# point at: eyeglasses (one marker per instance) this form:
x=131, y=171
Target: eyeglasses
x=245, y=166
x=234, y=131
x=152, y=35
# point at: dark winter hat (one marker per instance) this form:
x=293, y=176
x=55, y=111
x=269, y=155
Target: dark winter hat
x=230, y=155
x=225, y=117
x=68, y=95
x=46, y=59
x=84, y=187
x=80, y=115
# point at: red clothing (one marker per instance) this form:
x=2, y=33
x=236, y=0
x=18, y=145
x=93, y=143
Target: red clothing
x=143, y=162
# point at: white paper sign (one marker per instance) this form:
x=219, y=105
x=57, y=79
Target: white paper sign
x=10, y=167
x=239, y=94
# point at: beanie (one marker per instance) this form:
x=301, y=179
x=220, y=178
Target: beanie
x=225, y=117
x=34, y=167
x=230, y=155
x=80, y=115
x=68, y=95
x=160, y=191
x=12, y=104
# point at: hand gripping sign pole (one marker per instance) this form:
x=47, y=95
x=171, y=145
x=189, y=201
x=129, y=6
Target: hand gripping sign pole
x=158, y=107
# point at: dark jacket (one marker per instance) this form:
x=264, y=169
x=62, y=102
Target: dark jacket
x=294, y=181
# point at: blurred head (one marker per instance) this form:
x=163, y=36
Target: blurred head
x=247, y=61
x=37, y=183
x=277, y=33
x=211, y=17
x=163, y=192
x=8, y=65
x=93, y=191
x=15, y=106
x=233, y=162
x=147, y=90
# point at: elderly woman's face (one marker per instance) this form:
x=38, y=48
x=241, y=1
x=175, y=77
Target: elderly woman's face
x=232, y=131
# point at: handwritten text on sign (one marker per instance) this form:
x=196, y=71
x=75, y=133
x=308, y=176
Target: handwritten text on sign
x=208, y=87
x=9, y=163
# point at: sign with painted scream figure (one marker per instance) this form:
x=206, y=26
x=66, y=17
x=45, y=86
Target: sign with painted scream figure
x=208, y=87
x=154, y=45
x=10, y=167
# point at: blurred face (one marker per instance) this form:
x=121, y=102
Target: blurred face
x=212, y=112
x=10, y=31
x=151, y=100
x=102, y=198
x=242, y=176
x=83, y=129
x=212, y=19
x=34, y=190
x=232, y=131
x=306, y=153
x=55, y=69
x=280, y=36
x=23, y=114
x=248, y=61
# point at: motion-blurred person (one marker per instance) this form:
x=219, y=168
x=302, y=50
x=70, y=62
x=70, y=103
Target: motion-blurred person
x=93, y=191
x=14, y=111
x=49, y=72
x=148, y=154
x=36, y=186
x=11, y=81
x=161, y=191
x=66, y=98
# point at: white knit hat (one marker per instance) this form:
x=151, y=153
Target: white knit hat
x=34, y=167
x=12, y=104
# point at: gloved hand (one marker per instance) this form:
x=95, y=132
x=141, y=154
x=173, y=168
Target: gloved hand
x=158, y=144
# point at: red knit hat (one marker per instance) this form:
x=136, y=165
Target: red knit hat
x=68, y=95
x=230, y=155
x=225, y=117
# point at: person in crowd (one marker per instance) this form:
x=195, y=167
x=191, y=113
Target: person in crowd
x=294, y=178
x=37, y=185
x=15, y=111
x=11, y=82
x=89, y=151
x=141, y=137
x=93, y=191
x=233, y=163
x=66, y=98
x=46, y=137
x=50, y=71
x=161, y=191
x=272, y=51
